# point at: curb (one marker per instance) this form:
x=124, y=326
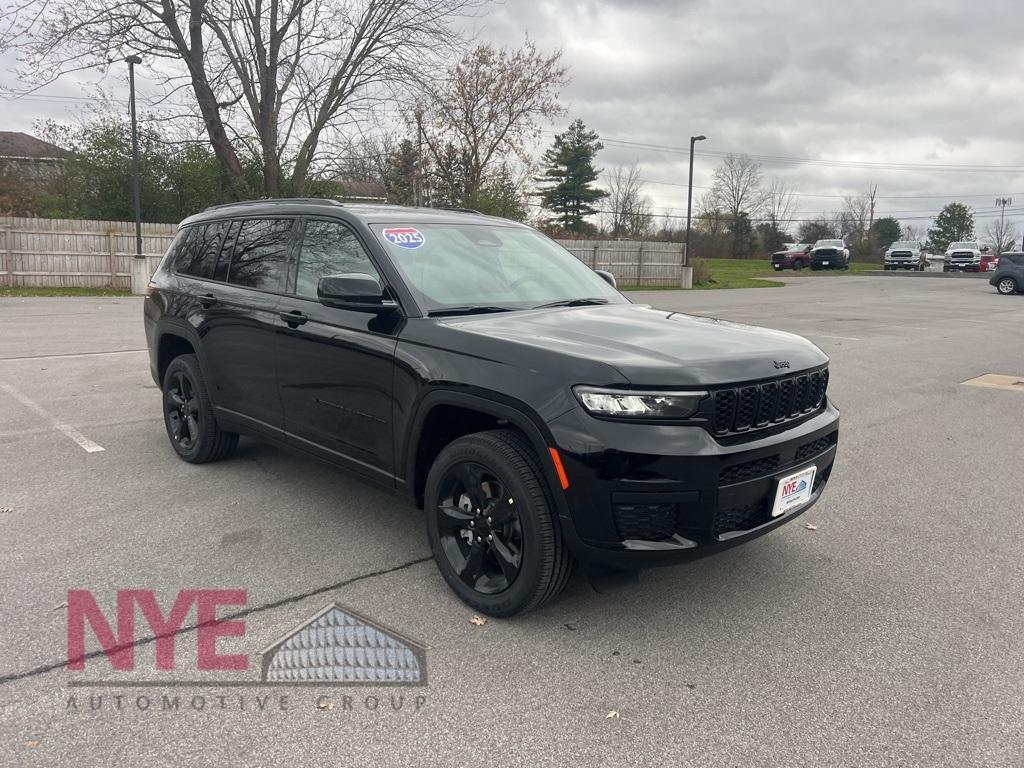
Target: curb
x=911, y=273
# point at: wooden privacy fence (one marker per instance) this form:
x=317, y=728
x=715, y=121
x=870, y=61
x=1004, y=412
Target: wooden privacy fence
x=75, y=253
x=98, y=254
x=633, y=262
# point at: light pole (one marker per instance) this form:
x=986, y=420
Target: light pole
x=689, y=195
x=1002, y=202
x=136, y=181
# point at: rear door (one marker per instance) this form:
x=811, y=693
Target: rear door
x=239, y=322
x=336, y=366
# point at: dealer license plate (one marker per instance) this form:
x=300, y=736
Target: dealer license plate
x=793, y=491
x=824, y=263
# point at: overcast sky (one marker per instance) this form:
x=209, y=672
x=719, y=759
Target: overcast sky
x=911, y=84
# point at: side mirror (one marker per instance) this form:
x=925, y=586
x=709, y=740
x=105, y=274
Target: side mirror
x=353, y=291
x=984, y=249
x=608, y=277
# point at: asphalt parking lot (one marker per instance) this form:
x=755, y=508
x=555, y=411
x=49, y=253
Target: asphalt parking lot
x=890, y=635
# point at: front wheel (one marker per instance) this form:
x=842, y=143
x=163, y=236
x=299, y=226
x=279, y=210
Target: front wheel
x=1007, y=286
x=798, y=265
x=492, y=526
x=188, y=414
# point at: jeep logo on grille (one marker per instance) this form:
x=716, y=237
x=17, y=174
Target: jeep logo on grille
x=781, y=363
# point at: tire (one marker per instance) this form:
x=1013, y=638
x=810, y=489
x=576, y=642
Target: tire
x=199, y=439
x=1007, y=286
x=798, y=265
x=495, y=467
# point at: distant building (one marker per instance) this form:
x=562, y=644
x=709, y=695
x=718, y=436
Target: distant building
x=29, y=159
x=362, y=191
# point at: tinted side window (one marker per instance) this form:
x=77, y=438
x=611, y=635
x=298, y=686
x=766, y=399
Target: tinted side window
x=220, y=271
x=260, y=255
x=1017, y=259
x=178, y=249
x=329, y=248
x=201, y=254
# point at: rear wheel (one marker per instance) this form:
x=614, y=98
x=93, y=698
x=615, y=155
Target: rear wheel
x=1007, y=286
x=188, y=414
x=491, y=524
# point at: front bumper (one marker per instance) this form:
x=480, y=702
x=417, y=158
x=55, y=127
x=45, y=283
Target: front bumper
x=829, y=261
x=647, y=495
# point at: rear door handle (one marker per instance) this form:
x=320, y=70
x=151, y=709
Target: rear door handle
x=293, y=318
x=207, y=299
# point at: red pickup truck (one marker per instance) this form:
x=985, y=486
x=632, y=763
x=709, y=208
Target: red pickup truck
x=795, y=257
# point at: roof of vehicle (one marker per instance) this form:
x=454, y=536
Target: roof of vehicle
x=367, y=212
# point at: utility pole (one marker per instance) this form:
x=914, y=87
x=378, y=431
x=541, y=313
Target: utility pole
x=689, y=196
x=1002, y=202
x=872, y=190
x=418, y=180
x=136, y=181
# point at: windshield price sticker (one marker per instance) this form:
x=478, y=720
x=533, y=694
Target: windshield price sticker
x=404, y=237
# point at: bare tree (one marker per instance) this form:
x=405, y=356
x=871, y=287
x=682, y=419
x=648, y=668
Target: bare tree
x=853, y=219
x=270, y=78
x=779, y=204
x=737, y=186
x=629, y=213
x=487, y=110
x=912, y=232
x=1002, y=233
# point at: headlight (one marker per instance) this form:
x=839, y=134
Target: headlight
x=644, y=405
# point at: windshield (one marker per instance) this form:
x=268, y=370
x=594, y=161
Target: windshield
x=484, y=265
x=905, y=244
x=829, y=244
x=965, y=246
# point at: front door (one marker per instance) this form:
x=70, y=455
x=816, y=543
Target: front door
x=335, y=366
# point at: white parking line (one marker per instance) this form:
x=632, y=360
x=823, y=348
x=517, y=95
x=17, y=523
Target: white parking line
x=83, y=442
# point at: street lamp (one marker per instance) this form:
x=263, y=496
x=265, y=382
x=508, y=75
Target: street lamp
x=689, y=195
x=136, y=181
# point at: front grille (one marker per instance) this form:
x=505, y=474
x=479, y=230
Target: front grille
x=826, y=253
x=740, y=409
x=901, y=255
x=820, y=445
x=647, y=522
x=748, y=469
x=743, y=518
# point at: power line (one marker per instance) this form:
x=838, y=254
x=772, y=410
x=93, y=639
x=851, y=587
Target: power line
x=794, y=160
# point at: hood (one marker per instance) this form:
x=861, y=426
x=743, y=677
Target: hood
x=652, y=347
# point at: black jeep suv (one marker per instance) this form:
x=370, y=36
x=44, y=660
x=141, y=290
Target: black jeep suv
x=474, y=366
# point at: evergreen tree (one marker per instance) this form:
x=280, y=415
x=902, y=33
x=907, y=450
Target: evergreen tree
x=569, y=176
x=887, y=230
x=954, y=223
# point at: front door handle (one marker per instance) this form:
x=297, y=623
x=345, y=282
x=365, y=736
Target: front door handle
x=207, y=300
x=293, y=318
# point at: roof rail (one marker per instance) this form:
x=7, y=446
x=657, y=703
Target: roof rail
x=458, y=210
x=305, y=200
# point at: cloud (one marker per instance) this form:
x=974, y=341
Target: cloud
x=914, y=82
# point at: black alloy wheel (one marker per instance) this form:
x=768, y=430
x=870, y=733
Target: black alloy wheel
x=188, y=414
x=480, y=530
x=181, y=406
x=492, y=525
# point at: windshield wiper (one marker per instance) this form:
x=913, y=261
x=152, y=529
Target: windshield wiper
x=470, y=309
x=573, y=303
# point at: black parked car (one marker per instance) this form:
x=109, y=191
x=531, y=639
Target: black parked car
x=476, y=367
x=1009, y=275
